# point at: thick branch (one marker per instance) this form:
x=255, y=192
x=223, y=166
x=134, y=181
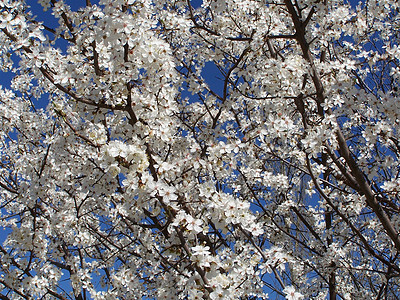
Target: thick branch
x=364, y=187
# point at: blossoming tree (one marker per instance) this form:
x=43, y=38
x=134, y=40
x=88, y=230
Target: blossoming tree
x=228, y=150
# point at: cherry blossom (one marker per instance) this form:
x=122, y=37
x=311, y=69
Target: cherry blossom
x=291, y=293
x=200, y=149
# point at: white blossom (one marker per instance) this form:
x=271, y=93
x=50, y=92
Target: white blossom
x=199, y=149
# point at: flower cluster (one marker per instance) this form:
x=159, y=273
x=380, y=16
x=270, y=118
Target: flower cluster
x=117, y=155
x=223, y=150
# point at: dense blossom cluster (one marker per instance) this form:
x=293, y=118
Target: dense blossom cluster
x=215, y=149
